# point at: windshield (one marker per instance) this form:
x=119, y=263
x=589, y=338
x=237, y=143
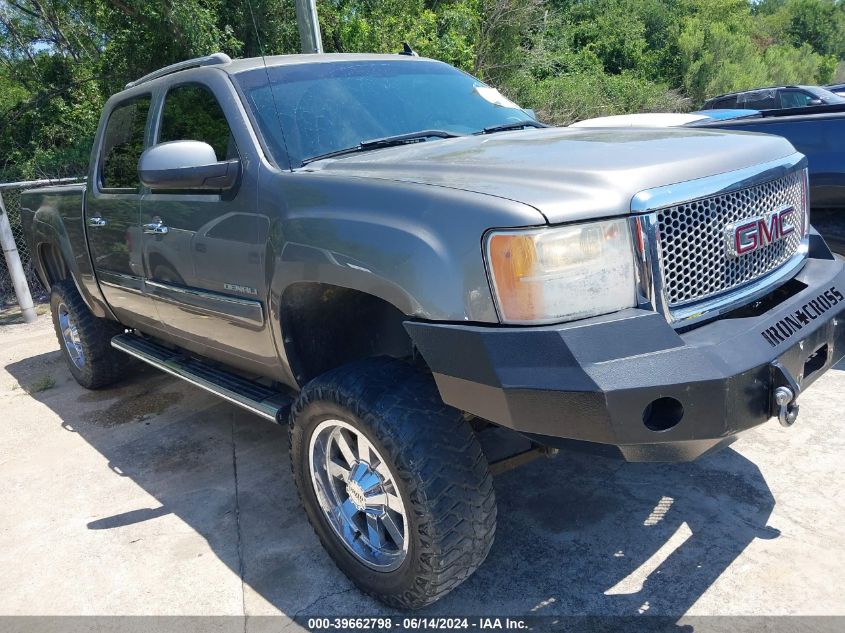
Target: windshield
x=826, y=95
x=330, y=106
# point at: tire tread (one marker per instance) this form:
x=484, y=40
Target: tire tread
x=104, y=365
x=438, y=458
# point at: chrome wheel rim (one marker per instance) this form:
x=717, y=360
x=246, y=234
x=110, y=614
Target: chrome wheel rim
x=70, y=335
x=358, y=495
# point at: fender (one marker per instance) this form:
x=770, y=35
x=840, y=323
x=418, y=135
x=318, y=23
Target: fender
x=49, y=226
x=417, y=247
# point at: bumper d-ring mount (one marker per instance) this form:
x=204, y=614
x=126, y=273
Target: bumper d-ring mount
x=785, y=390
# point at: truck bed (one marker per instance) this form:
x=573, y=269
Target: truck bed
x=55, y=214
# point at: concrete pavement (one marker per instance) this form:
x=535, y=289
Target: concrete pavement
x=155, y=498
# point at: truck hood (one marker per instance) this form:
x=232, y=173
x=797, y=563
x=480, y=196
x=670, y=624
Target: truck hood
x=565, y=173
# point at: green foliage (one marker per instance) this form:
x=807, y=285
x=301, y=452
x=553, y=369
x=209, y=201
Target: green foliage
x=719, y=56
x=374, y=26
x=794, y=65
x=565, y=99
x=817, y=23
x=60, y=59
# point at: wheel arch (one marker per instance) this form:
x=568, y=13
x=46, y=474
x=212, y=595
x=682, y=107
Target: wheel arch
x=60, y=249
x=325, y=326
x=51, y=264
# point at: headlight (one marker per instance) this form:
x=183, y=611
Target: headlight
x=562, y=273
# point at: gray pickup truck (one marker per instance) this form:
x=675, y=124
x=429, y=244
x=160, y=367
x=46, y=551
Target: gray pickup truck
x=410, y=271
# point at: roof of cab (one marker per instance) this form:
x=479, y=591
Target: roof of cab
x=234, y=66
x=251, y=63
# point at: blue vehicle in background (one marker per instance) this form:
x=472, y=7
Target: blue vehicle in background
x=726, y=114
x=838, y=89
x=817, y=131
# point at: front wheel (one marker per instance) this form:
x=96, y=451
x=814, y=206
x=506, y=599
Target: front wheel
x=393, y=481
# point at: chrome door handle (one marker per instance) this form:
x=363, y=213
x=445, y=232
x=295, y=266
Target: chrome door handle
x=157, y=227
x=97, y=220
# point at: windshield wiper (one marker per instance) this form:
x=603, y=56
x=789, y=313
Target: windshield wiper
x=516, y=125
x=403, y=139
x=386, y=141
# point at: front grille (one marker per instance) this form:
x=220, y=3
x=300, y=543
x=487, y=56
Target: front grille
x=693, y=250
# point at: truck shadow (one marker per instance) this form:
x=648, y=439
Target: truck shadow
x=577, y=535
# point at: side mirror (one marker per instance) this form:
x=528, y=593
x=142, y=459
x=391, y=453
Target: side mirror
x=530, y=112
x=813, y=102
x=186, y=165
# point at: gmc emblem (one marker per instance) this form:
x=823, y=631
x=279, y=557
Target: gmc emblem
x=747, y=236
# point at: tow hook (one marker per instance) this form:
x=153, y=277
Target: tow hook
x=787, y=407
x=785, y=396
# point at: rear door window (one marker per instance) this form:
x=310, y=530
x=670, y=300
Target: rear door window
x=123, y=143
x=759, y=100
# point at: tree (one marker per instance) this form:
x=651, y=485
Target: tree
x=817, y=23
x=60, y=59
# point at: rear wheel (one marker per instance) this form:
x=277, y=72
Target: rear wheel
x=85, y=340
x=393, y=481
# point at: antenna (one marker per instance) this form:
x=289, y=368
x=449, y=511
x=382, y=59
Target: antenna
x=269, y=83
x=407, y=50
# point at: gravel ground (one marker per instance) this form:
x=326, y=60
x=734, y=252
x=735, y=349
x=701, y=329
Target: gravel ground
x=155, y=498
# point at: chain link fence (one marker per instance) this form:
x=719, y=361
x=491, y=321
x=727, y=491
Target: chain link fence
x=12, y=201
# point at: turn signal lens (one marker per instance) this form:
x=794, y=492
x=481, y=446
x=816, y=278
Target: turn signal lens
x=562, y=273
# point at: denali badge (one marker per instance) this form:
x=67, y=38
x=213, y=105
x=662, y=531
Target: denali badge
x=239, y=288
x=746, y=236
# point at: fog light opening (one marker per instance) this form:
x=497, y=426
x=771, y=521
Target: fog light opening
x=662, y=414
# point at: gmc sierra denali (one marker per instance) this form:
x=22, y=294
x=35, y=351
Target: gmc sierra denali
x=395, y=260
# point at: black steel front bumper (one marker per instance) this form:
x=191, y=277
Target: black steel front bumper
x=617, y=380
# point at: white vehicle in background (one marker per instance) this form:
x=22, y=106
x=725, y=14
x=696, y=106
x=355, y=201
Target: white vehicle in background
x=665, y=119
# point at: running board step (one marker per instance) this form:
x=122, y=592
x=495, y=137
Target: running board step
x=252, y=396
